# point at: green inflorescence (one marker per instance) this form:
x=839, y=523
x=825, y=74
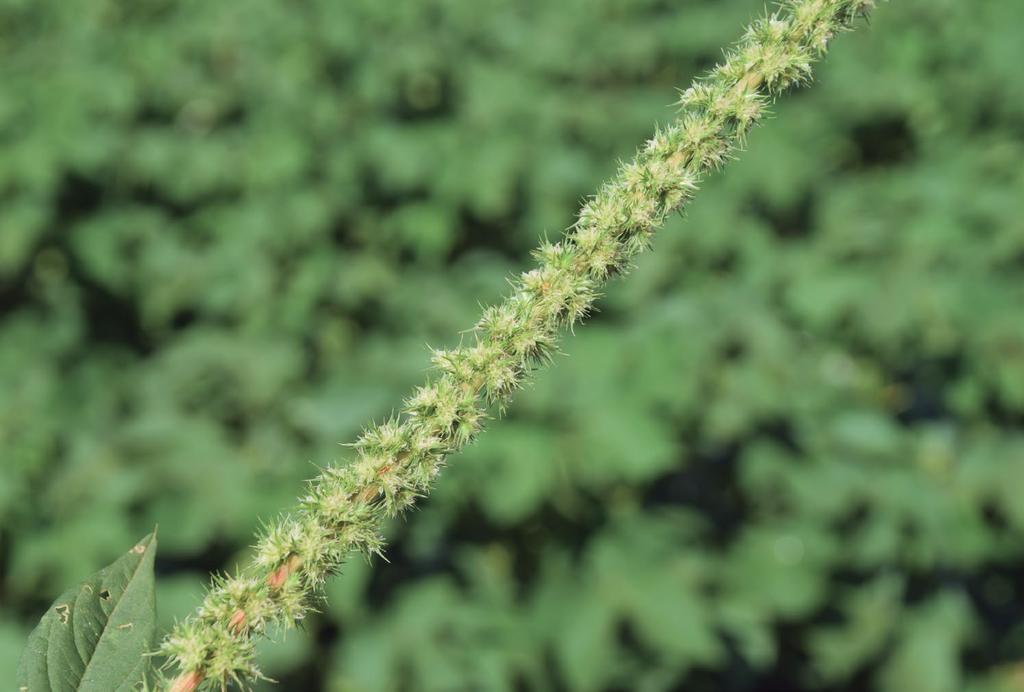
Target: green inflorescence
x=395, y=462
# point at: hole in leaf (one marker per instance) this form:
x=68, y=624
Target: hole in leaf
x=63, y=611
x=105, y=594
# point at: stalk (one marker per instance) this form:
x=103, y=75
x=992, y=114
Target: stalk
x=396, y=461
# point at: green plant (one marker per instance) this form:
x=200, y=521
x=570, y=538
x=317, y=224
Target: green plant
x=229, y=229
x=396, y=461
x=97, y=635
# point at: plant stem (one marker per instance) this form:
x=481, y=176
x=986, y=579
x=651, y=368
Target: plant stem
x=396, y=461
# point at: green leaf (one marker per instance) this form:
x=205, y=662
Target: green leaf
x=95, y=636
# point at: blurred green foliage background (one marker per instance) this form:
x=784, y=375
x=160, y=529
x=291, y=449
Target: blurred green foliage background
x=786, y=455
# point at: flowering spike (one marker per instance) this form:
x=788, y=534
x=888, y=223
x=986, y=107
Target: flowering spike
x=397, y=460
